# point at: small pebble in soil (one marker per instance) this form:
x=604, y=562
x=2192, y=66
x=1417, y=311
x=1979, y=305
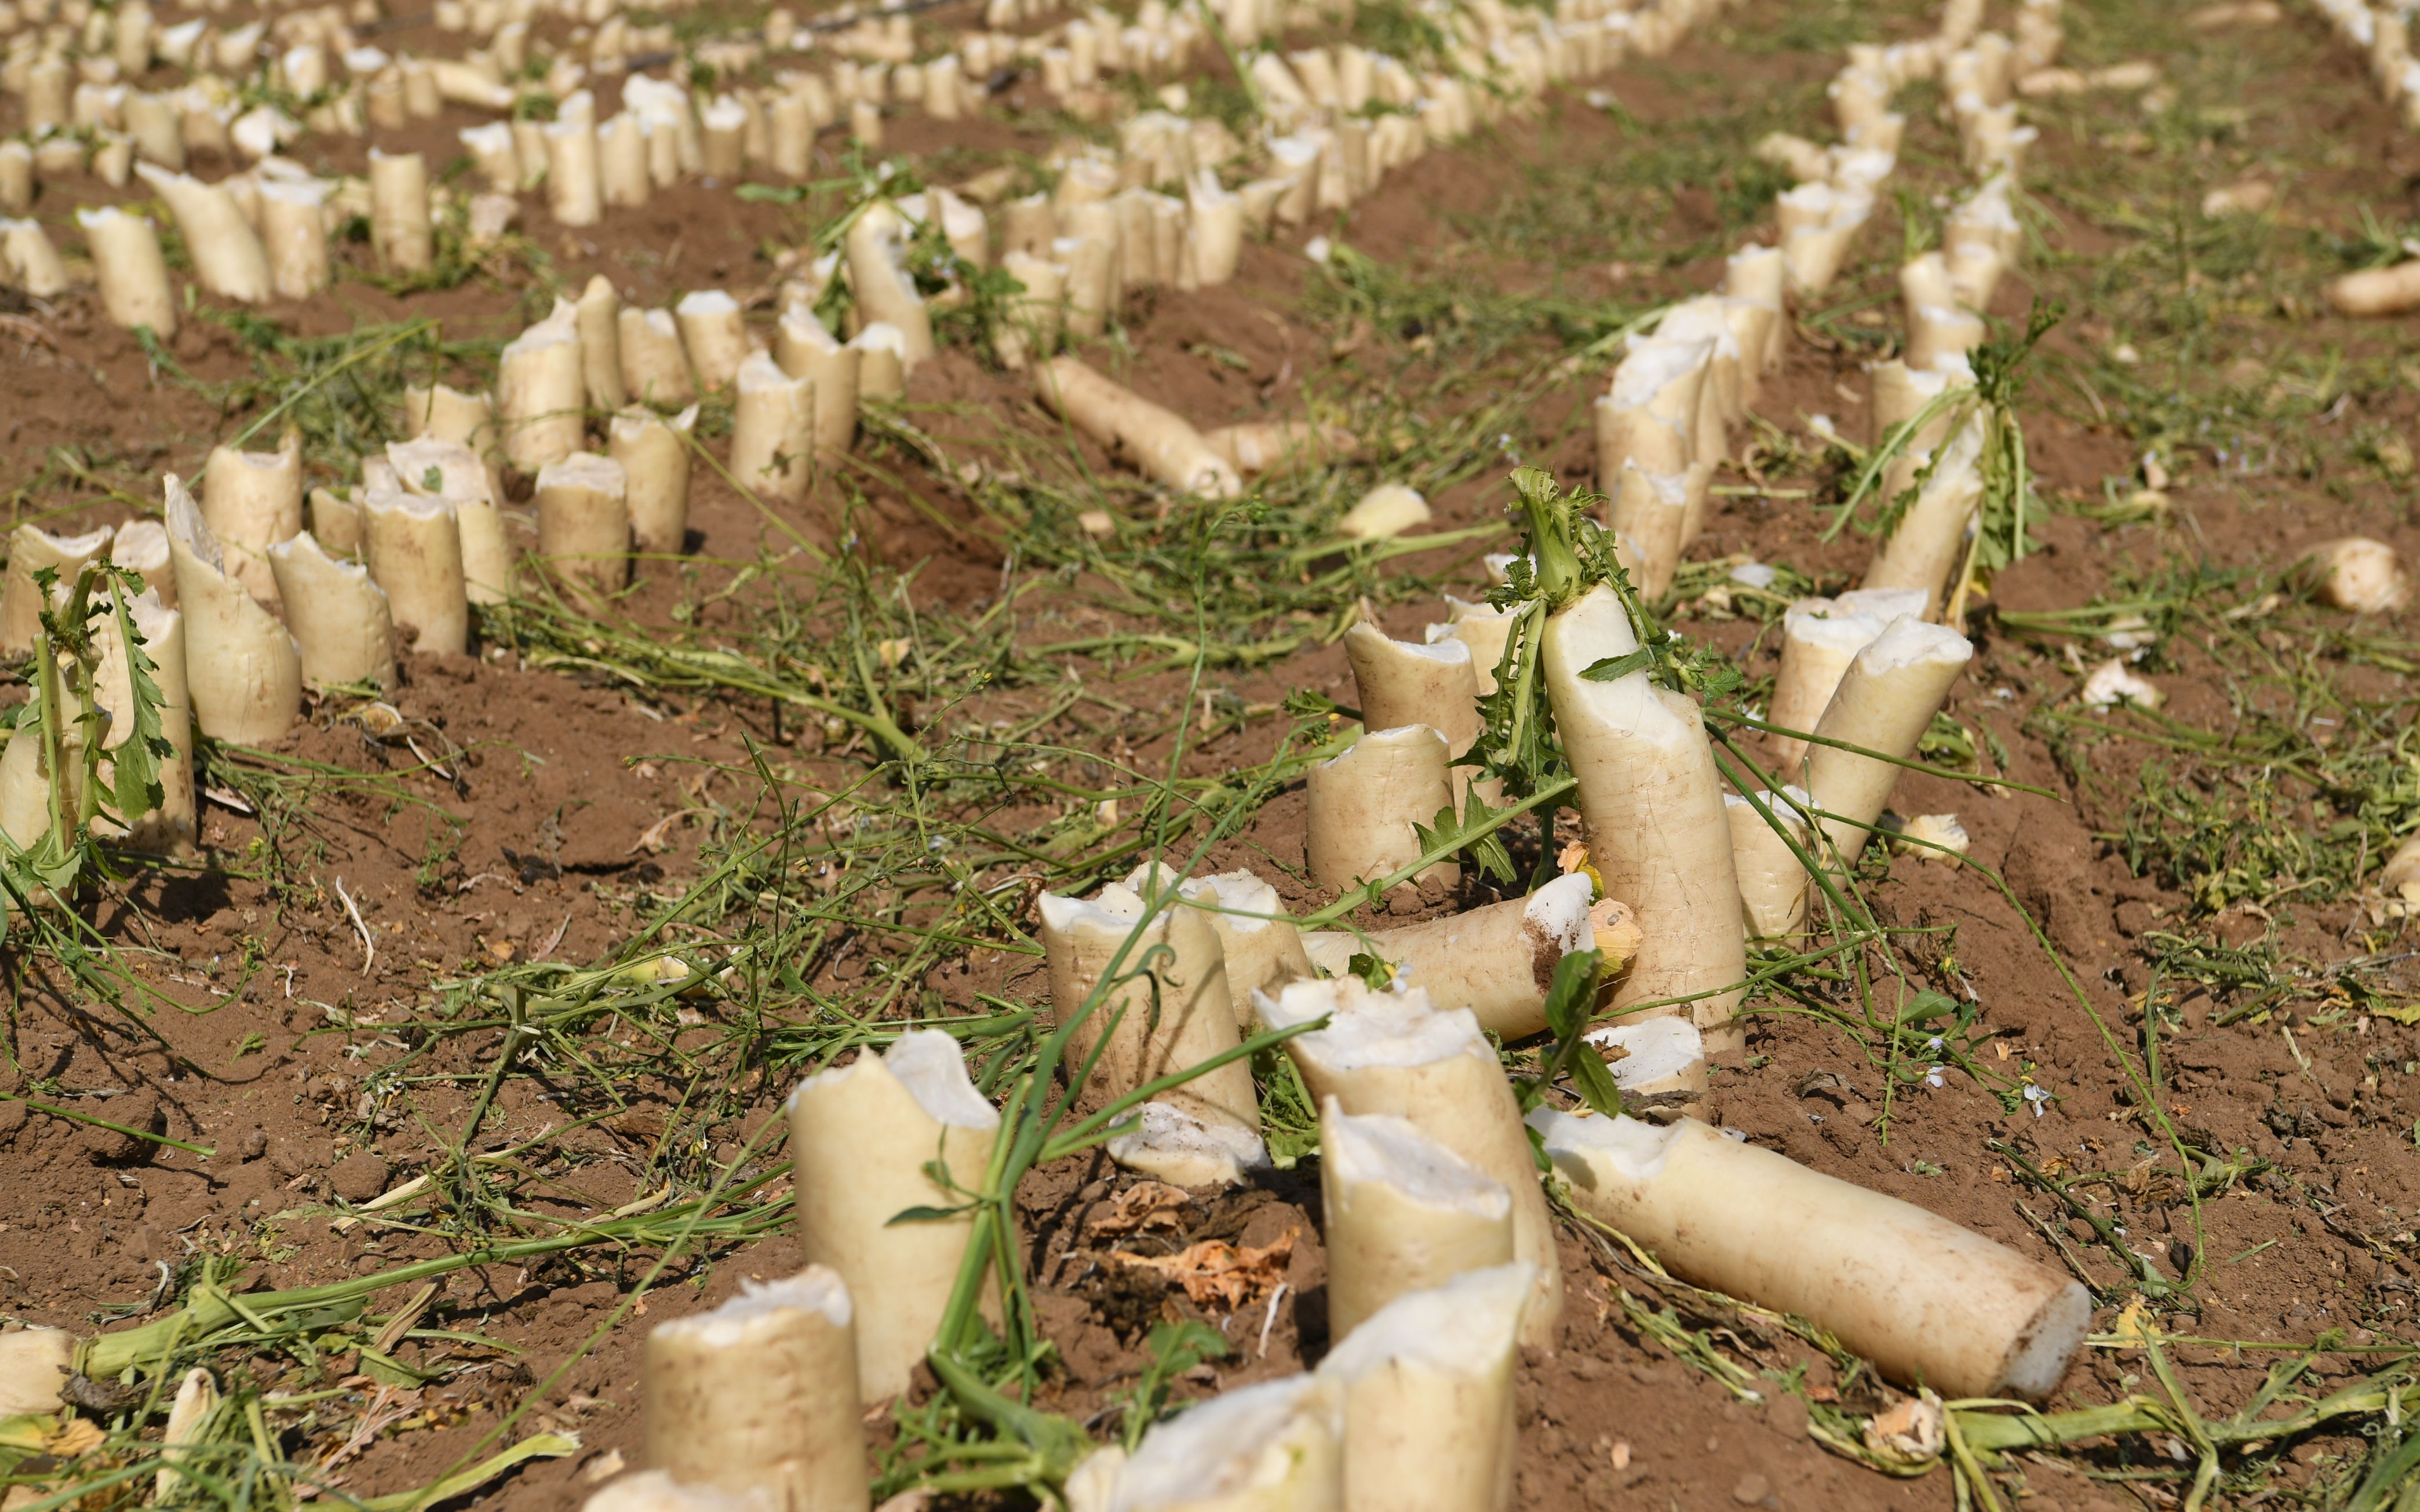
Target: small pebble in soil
x=1751, y=1489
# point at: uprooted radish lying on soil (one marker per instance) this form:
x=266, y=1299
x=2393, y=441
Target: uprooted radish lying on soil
x=1362, y=755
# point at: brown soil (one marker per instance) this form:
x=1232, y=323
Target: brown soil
x=515, y=831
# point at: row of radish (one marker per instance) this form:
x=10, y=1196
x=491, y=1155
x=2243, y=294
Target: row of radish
x=1439, y=1241
x=1334, y=123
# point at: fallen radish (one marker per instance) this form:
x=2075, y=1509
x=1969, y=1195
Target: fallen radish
x=1156, y=441
x=1927, y=1300
x=868, y=1140
x=1394, y=1052
x=130, y=268
x=2354, y=572
x=1496, y=961
x=1425, y=1395
x=1385, y=512
x=1400, y=1212
x=760, y=1395
x=1281, y=446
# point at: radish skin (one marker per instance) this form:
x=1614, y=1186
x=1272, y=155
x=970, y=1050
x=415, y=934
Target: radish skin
x=1498, y=961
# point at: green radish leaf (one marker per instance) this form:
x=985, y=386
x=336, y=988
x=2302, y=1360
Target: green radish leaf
x=137, y=787
x=1375, y=972
x=923, y=1216
x=1614, y=669
x=1592, y=1080
x=1571, y=997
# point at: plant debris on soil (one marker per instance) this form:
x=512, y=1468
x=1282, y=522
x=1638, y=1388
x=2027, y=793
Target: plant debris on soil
x=387, y=1111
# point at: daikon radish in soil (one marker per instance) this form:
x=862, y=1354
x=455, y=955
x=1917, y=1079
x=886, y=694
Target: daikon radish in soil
x=1485, y=630
x=243, y=668
x=415, y=548
x=1395, y=1053
x=861, y=1137
x=130, y=268
x=714, y=334
x=882, y=363
x=772, y=430
x=1772, y=880
x=30, y=549
x=228, y=259
x=1819, y=638
x=761, y=1394
x=1651, y=417
x=253, y=501
x=1155, y=441
x=341, y=623
x=541, y=391
x=1408, y=681
x=805, y=349
x=1399, y=1212
x=1885, y=703
x=655, y=461
x=600, y=344
x=1262, y=949
x=1497, y=960
x=1267, y=1447
x=1177, y=1009
x=470, y=488
x=1360, y=808
x=1930, y=541
x=2355, y=573
x=1652, y=803
x=1927, y=1300
x=584, y=522
x=876, y=249
x=142, y=546
x=1426, y=1388
x=655, y=368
